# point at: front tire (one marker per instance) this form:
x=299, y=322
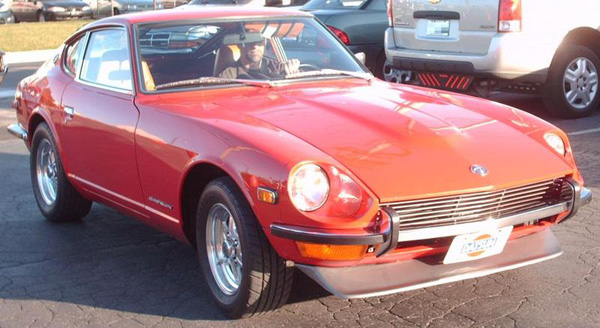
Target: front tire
x=55, y=196
x=571, y=90
x=245, y=275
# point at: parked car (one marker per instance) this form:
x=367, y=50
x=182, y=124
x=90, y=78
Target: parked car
x=42, y=10
x=360, y=25
x=3, y=67
x=262, y=141
x=6, y=15
x=169, y=4
x=104, y=8
x=509, y=45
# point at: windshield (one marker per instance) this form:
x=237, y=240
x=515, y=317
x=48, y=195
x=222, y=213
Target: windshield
x=177, y=55
x=333, y=4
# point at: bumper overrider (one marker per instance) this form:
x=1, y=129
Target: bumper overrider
x=381, y=279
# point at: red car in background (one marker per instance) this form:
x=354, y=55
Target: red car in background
x=257, y=137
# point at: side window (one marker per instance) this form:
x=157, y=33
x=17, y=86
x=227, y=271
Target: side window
x=377, y=5
x=106, y=60
x=73, y=58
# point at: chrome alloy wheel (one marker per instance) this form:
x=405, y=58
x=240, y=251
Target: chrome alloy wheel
x=580, y=83
x=47, y=172
x=224, y=249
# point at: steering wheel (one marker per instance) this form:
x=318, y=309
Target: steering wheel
x=308, y=67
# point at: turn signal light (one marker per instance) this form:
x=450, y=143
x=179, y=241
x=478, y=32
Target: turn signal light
x=331, y=252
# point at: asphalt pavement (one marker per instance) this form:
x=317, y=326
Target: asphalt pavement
x=113, y=271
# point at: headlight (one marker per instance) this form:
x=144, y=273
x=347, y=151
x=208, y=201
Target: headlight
x=308, y=187
x=159, y=6
x=132, y=7
x=556, y=142
x=3, y=8
x=56, y=9
x=86, y=8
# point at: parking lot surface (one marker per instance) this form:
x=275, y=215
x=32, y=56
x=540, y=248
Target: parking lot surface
x=113, y=271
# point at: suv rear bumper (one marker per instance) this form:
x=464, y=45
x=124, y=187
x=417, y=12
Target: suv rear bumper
x=505, y=59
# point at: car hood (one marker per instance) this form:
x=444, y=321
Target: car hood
x=403, y=142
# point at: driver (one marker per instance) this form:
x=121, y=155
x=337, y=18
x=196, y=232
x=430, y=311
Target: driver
x=253, y=65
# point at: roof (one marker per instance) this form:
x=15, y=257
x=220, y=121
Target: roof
x=197, y=13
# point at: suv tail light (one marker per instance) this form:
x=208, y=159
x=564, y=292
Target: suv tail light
x=390, y=12
x=509, y=16
x=340, y=34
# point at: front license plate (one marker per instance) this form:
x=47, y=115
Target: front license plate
x=476, y=246
x=438, y=27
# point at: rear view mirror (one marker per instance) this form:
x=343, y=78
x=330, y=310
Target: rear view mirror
x=361, y=56
x=242, y=38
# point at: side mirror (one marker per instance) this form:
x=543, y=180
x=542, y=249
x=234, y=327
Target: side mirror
x=361, y=56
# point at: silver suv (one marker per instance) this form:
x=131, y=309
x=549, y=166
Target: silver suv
x=533, y=46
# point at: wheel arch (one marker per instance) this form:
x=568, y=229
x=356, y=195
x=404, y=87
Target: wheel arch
x=198, y=175
x=581, y=36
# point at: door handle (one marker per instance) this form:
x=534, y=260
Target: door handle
x=70, y=112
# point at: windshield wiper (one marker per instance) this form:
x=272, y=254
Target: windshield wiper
x=330, y=72
x=213, y=80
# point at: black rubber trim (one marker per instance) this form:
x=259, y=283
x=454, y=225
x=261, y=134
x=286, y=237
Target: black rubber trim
x=391, y=236
x=311, y=236
x=432, y=65
x=436, y=14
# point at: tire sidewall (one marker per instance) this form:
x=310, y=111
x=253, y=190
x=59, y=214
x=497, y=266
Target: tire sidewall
x=213, y=194
x=43, y=132
x=555, y=84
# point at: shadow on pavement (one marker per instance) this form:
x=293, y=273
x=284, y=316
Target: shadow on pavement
x=108, y=261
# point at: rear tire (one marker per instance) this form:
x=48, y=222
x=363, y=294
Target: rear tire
x=265, y=279
x=571, y=90
x=55, y=196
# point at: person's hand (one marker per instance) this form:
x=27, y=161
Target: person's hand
x=291, y=66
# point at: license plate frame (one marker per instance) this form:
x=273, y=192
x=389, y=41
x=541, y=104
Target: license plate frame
x=438, y=27
x=475, y=246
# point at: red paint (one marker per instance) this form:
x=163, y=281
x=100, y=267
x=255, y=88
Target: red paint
x=397, y=142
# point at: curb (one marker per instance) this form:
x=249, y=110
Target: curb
x=24, y=57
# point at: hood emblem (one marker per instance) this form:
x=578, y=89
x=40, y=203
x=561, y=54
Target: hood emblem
x=479, y=170
x=434, y=2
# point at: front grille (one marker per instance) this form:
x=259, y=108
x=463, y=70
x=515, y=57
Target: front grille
x=473, y=207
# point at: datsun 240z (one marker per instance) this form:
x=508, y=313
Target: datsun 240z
x=257, y=137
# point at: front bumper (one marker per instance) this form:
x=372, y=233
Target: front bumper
x=69, y=15
x=379, y=279
x=388, y=278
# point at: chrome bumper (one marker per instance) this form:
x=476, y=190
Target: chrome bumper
x=389, y=239
x=17, y=131
x=382, y=279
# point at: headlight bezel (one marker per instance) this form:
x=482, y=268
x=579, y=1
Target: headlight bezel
x=556, y=142
x=294, y=180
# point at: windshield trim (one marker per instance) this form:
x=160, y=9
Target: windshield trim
x=141, y=88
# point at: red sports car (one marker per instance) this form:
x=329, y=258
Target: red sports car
x=257, y=137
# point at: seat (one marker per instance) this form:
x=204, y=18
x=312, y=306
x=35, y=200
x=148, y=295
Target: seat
x=114, y=69
x=227, y=56
x=148, y=79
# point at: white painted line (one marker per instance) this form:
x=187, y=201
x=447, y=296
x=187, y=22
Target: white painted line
x=577, y=133
x=7, y=93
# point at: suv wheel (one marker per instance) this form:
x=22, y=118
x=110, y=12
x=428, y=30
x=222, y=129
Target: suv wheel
x=571, y=90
